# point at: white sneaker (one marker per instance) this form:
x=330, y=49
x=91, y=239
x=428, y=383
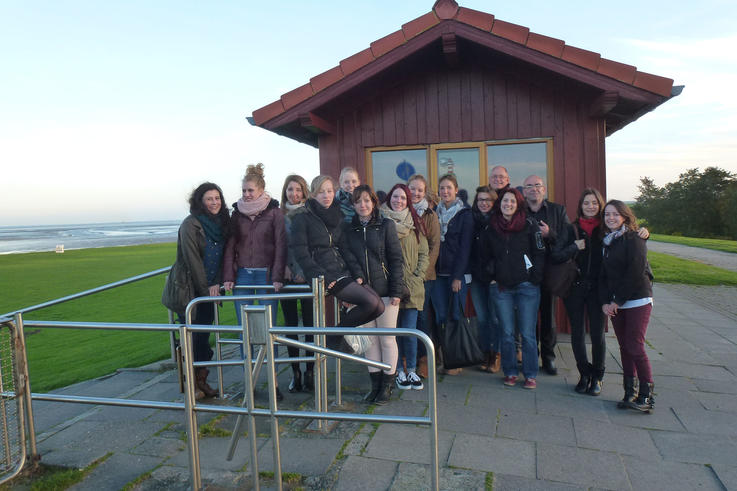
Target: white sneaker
x=402, y=381
x=415, y=381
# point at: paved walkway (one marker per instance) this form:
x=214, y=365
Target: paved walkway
x=725, y=260
x=511, y=438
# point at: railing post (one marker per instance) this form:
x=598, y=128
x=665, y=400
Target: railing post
x=189, y=402
x=272, y=399
x=318, y=316
x=21, y=340
x=338, y=361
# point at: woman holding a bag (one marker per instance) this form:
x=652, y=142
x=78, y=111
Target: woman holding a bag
x=371, y=249
x=411, y=232
x=517, y=260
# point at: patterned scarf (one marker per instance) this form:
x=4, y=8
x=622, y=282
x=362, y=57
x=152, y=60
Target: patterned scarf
x=421, y=206
x=447, y=214
x=291, y=207
x=402, y=219
x=346, y=204
x=613, y=235
x=254, y=207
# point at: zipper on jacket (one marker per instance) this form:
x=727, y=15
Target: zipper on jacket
x=365, y=253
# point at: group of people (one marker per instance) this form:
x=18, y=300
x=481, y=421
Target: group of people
x=396, y=263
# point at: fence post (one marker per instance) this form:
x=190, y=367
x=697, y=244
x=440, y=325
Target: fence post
x=21, y=340
x=189, y=415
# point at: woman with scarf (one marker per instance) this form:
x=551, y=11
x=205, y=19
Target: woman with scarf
x=348, y=180
x=517, y=258
x=456, y=236
x=293, y=196
x=256, y=253
x=371, y=249
x=197, y=271
x=626, y=296
x=424, y=202
x=314, y=237
x=411, y=233
x=483, y=285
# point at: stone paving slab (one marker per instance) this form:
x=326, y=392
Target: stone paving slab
x=475, y=420
x=406, y=443
x=661, y=419
x=703, y=421
x=696, y=449
x=489, y=454
x=365, y=474
x=503, y=482
x=580, y=466
x=727, y=475
x=718, y=402
x=613, y=438
x=417, y=477
x=307, y=456
x=587, y=407
x=715, y=386
x=537, y=428
x=117, y=471
x=647, y=475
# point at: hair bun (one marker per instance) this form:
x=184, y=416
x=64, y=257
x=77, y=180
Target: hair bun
x=256, y=170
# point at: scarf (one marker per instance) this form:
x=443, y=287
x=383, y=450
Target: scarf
x=345, y=199
x=503, y=226
x=402, y=220
x=211, y=227
x=589, y=224
x=330, y=216
x=447, y=214
x=253, y=208
x=608, y=238
x=291, y=207
x=421, y=206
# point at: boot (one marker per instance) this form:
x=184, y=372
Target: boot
x=496, y=362
x=375, y=387
x=387, y=386
x=596, y=382
x=309, y=378
x=422, y=367
x=296, y=384
x=584, y=380
x=201, y=383
x=484, y=366
x=630, y=392
x=645, y=400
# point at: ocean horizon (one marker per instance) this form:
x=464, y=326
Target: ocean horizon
x=44, y=238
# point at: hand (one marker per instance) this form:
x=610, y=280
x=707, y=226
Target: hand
x=394, y=301
x=278, y=285
x=214, y=290
x=359, y=281
x=332, y=284
x=580, y=243
x=643, y=233
x=455, y=286
x=228, y=285
x=544, y=229
x=610, y=309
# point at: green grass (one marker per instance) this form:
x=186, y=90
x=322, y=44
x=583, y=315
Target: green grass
x=716, y=244
x=52, y=478
x=670, y=269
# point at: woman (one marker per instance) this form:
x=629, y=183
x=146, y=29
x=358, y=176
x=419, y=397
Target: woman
x=314, y=237
x=348, y=180
x=256, y=252
x=482, y=284
x=411, y=233
x=625, y=293
x=456, y=236
x=293, y=196
x=197, y=271
x=424, y=202
x=372, y=251
x=517, y=260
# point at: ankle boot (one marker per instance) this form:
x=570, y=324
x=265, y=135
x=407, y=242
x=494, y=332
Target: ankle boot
x=387, y=386
x=296, y=384
x=645, y=400
x=201, y=383
x=375, y=387
x=583, y=383
x=630, y=392
x=594, y=387
x=309, y=379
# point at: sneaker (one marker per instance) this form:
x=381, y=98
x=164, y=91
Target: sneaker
x=510, y=380
x=402, y=381
x=415, y=381
x=530, y=383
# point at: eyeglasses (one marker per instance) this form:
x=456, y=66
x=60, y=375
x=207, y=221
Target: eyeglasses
x=535, y=186
x=485, y=200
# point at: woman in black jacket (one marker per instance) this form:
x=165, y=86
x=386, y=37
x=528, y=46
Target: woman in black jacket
x=371, y=248
x=314, y=238
x=625, y=292
x=517, y=260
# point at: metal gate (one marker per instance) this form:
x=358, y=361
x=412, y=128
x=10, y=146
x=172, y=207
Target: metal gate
x=12, y=422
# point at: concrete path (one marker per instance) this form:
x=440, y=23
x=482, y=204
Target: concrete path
x=508, y=438
x=724, y=260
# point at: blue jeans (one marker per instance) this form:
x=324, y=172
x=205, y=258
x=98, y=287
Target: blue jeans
x=482, y=295
x=248, y=276
x=407, y=345
x=423, y=323
x=440, y=296
x=525, y=297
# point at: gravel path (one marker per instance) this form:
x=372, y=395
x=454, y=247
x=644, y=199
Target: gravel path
x=725, y=260
x=723, y=299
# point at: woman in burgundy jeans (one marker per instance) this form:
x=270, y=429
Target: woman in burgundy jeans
x=625, y=289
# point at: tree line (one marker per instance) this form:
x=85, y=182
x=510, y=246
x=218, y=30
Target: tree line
x=698, y=204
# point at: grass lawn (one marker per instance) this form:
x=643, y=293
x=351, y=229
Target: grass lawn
x=716, y=244
x=670, y=269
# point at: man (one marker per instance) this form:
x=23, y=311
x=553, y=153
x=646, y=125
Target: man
x=499, y=178
x=553, y=220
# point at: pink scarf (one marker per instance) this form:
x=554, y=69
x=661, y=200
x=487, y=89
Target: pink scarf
x=253, y=208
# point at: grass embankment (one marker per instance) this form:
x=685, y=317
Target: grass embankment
x=671, y=269
x=716, y=244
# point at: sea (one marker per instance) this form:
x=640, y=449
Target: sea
x=41, y=238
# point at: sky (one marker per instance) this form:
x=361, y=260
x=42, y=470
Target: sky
x=115, y=111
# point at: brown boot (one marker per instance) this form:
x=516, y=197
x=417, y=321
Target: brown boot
x=422, y=367
x=201, y=382
x=496, y=362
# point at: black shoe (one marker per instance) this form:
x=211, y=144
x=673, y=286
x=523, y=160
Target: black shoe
x=296, y=384
x=595, y=387
x=549, y=367
x=279, y=395
x=630, y=392
x=387, y=386
x=375, y=387
x=583, y=384
x=645, y=401
x=309, y=380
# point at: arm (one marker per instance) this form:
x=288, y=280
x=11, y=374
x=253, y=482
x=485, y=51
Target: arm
x=423, y=257
x=191, y=254
x=460, y=266
x=433, y=239
x=537, y=253
x=566, y=246
x=559, y=223
x=394, y=259
x=354, y=264
x=280, y=249
x=299, y=244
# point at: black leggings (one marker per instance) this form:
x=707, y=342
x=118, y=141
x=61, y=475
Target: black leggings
x=368, y=304
x=291, y=319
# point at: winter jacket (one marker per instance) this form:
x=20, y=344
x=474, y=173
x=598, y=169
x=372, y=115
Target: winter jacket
x=507, y=254
x=479, y=271
x=373, y=253
x=555, y=216
x=588, y=260
x=455, y=250
x=432, y=227
x=257, y=243
x=315, y=245
x=292, y=264
x=625, y=272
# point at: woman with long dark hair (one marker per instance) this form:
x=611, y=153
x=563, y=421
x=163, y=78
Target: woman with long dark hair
x=197, y=271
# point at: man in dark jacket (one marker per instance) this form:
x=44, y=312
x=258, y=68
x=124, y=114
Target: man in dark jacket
x=499, y=179
x=553, y=219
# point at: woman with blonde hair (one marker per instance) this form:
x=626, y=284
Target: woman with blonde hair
x=347, y=182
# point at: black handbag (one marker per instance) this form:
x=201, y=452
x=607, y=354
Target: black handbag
x=458, y=339
x=559, y=278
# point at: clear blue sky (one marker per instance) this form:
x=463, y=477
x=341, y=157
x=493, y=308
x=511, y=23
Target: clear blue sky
x=116, y=110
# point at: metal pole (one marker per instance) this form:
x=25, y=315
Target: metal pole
x=189, y=402
x=323, y=358
x=218, y=353
x=338, y=361
x=272, y=401
x=27, y=389
x=318, y=321
x=432, y=410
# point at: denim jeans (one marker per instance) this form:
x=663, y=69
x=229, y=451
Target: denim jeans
x=407, y=319
x=441, y=295
x=423, y=322
x=248, y=276
x=482, y=295
x=525, y=297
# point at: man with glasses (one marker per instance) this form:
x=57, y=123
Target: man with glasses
x=499, y=179
x=553, y=220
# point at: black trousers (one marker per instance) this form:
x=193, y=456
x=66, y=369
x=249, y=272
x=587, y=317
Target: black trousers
x=546, y=335
x=291, y=319
x=205, y=315
x=584, y=299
